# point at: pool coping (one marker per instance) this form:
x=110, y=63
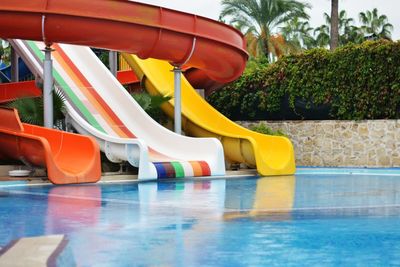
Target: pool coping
x=110, y=178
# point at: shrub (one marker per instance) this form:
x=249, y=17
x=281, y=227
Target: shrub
x=152, y=105
x=31, y=109
x=353, y=82
x=264, y=129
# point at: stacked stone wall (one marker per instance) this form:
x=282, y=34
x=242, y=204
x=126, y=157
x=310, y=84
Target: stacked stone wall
x=374, y=143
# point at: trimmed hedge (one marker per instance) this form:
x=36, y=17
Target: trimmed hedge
x=354, y=82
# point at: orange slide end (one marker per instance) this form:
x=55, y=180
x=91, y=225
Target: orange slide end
x=69, y=158
x=12, y=91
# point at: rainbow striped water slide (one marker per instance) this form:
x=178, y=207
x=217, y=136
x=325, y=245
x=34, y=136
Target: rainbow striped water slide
x=99, y=106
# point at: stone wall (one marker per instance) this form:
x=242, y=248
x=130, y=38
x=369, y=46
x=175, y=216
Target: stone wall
x=374, y=143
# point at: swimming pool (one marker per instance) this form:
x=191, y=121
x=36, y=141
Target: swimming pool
x=304, y=220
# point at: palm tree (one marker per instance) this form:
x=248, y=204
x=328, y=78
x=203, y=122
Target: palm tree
x=152, y=105
x=323, y=37
x=31, y=109
x=298, y=33
x=334, y=24
x=253, y=42
x=375, y=25
x=261, y=17
x=279, y=46
x=348, y=33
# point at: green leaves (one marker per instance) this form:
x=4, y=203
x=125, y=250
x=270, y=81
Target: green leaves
x=258, y=18
x=152, y=105
x=374, y=25
x=31, y=109
x=354, y=82
x=264, y=129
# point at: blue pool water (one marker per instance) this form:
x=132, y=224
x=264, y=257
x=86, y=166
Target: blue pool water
x=307, y=220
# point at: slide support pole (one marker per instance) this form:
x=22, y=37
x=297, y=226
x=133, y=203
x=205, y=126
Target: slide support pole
x=177, y=88
x=48, y=88
x=14, y=66
x=113, y=61
x=177, y=100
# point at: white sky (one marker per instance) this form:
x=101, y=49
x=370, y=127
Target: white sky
x=212, y=9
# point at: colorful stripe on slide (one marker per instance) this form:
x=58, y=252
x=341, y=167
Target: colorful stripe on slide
x=94, y=109
x=177, y=169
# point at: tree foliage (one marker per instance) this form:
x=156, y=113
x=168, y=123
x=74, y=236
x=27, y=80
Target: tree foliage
x=260, y=18
x=31, y=109
x=353, y=82
x=270, y=30
x=375, y=25
x=152, y=105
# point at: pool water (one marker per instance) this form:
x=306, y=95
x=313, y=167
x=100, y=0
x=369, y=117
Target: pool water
x=303, y=220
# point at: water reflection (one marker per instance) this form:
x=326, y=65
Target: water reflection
x=178, y=219
x=146, y=218
x=65, y=209
x=189, y=222
x=268, y=197
x=70, y=207
x=317, y=196
x=347, y=195
x=197, y=199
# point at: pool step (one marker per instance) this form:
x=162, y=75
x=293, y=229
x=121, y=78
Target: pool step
x=32, y=251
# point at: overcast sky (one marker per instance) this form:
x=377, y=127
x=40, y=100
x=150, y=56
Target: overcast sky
x=212, y=8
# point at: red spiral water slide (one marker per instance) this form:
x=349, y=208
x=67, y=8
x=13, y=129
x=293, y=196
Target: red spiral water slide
x=141, y=29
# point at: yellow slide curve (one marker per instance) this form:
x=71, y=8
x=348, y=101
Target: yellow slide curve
x=271, y=155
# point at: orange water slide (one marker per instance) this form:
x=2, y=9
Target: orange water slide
x=15, y=90
x=12, y=91
x=55, y=150
x=141, y=29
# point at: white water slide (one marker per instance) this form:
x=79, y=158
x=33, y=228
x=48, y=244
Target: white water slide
x=99, y=106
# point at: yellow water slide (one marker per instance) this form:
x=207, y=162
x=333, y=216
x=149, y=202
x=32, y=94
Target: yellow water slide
x=271, y=155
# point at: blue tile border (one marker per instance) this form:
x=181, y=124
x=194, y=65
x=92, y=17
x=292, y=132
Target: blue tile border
x=12, y=183
x=348, y=171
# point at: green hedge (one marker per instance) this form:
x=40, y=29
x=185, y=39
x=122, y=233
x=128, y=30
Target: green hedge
x=354, y=82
